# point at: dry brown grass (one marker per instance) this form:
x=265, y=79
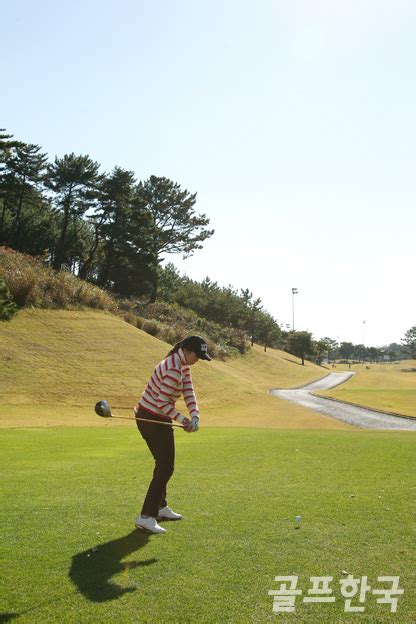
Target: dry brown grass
x=31, y=283
x=55, y=364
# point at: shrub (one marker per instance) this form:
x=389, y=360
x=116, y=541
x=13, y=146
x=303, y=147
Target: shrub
x=139, y=322
x=31, y=282
x=19, y=273
x=7, y=306
x=177, y=322
x=130, y=318
x=172, y=334
x=152, y=327
x=168, y=314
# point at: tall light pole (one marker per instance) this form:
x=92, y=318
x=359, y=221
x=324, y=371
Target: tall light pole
x=294, y=292
x=364, y=322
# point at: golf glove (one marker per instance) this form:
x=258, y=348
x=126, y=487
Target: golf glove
x=187, y=425
x=195, y=423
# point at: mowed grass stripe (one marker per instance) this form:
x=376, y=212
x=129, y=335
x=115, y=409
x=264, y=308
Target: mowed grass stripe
x=68, y=491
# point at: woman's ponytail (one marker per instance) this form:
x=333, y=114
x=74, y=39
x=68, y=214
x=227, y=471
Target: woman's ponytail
x=175, y=349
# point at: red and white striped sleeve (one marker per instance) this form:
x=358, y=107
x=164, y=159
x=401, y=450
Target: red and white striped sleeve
x=189, y=393
x=170, y=378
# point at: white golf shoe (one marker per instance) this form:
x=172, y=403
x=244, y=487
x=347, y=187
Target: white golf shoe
x=166, y=512
x=149, y=524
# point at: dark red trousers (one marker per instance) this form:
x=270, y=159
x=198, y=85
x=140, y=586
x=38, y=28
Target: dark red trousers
x=160, y=440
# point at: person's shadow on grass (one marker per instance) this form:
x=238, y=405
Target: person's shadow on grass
x=91, y=570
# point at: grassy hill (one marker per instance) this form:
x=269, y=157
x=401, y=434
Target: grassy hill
x=55, y=364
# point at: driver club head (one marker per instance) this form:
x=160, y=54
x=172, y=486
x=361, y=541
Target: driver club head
x=102, y=408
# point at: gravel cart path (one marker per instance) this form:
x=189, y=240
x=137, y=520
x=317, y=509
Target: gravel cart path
x=348, y=413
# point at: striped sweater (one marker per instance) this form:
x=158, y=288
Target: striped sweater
x=170, y=379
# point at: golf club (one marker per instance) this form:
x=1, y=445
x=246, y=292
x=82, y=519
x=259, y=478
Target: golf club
x=103, y=409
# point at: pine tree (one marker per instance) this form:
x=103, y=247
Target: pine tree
x=6, y=148
x=174, y=225
x=409, y=341
x=74, y=180
x=112, y=219
x=299, y=343
x=25, y=166
x=23, y=172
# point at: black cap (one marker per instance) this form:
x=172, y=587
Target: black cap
x=197, y=345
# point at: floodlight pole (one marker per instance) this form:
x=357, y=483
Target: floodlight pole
x=364, y=322
x=294, y=292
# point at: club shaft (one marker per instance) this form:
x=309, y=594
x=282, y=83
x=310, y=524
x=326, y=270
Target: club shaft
x=158, y=422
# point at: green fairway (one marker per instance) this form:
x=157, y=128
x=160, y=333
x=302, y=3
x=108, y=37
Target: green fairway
x=386, y=387
x=70, y=552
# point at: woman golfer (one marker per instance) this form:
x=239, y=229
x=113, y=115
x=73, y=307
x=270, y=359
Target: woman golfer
x=170, y=379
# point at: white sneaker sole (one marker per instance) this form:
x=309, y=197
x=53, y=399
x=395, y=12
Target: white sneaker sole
x=146, y=530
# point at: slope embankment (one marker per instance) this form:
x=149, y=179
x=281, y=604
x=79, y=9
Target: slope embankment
x=55, y=364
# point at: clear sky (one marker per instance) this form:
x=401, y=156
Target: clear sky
x=295, y=122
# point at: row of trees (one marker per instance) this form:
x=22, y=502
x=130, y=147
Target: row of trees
x=106, y=228
x=409, y=342
x=361, y=353
x=223, y=305
x=115, y=232
x=304, y=346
